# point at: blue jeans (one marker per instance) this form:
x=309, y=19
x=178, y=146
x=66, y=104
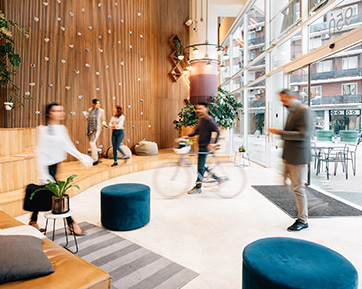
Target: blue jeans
x=201, y=160
x=117, y=138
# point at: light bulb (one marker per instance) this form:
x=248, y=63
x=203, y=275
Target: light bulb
x=181, y=56
x=219, y=51
x=209, y=65
x=222, y=67
x=226, y=56
x=185, y=71
x=195, y=51
x=189, y=67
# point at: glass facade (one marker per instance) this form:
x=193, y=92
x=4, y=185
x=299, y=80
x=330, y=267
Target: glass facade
x=343, y=18
x=271, y=35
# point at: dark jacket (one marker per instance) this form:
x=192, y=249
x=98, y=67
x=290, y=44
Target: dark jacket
x=296, y=135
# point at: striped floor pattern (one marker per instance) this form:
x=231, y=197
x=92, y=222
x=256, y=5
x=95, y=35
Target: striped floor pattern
x=130, y=265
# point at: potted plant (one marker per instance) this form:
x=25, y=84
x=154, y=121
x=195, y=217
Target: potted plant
x=60, y=200
x=187, y=117
x=9, y=61
x=225, y=109
x=242, y=149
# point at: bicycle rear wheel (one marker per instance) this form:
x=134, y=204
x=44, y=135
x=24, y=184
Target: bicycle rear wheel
x=230, y=180
x=172, y=179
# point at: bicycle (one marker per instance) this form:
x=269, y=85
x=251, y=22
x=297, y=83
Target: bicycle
x=175, y=178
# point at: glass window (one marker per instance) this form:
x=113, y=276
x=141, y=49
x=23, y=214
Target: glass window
x=324, y=66
x=338, y=86
x=315, y=5
x=226, y=73
x=341, y=19
x=238, y=47
x=237, y=81
x=287, y=51
x=349, y=88
x=349, y=62
x=315, y=43
x=255, y=95
x=256, y=30
x=282, y=20
x=256, y=70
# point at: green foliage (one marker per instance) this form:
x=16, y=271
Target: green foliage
x=225, y=109
x=242, y=149
x=189, y=141
x=58, y=189
x=187, y=117
x=9, y=60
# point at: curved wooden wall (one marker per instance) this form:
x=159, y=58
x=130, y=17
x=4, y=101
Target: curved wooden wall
x=120, y=49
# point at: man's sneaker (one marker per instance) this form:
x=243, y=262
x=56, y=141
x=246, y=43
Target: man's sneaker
x=194, y=190
x=297, y=226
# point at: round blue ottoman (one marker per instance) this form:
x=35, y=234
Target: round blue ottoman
x=125, y=206
x=275, y=263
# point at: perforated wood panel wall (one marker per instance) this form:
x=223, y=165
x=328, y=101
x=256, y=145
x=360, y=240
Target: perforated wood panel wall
x=114, y=50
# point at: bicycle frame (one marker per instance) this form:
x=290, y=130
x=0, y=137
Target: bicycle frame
x=183, y=159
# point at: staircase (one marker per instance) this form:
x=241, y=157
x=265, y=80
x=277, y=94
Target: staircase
x=17, y=167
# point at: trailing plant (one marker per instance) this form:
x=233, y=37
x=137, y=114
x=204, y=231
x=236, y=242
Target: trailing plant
x=225, y=109
x=186, y=117
x=57, y=188
x=9, y=60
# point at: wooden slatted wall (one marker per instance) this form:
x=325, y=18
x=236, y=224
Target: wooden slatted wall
x=124, y=43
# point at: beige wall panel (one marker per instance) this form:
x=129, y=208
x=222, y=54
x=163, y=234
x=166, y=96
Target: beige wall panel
x=126, y=84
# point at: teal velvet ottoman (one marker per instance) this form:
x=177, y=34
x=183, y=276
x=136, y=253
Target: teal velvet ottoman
x=125, y=206
x=278, y=263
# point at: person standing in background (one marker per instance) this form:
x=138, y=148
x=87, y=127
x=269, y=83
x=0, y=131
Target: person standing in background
x=53, y=144
x=96, y=119
x=117, y=124
x=296, y=152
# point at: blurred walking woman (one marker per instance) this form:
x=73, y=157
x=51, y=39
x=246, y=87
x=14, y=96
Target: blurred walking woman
x=117, y=124
x=53, y=144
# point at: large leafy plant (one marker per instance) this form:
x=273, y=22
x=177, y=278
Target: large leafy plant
x=225, y=109
x=58, y=189
x=186, y=117
x=9, y=60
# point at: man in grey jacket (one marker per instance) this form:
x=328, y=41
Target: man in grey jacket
x=296, y=152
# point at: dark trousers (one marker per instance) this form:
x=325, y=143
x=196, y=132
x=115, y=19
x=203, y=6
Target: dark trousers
x=52, y=171
x=201, y=160
x=117, y=138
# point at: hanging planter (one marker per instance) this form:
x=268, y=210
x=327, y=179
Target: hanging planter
x=8, y=105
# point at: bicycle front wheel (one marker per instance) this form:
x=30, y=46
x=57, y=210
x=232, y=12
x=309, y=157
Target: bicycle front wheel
x=231, y=179
x=172, y=179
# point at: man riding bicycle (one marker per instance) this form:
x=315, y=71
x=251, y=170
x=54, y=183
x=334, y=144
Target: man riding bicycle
x=206, y=125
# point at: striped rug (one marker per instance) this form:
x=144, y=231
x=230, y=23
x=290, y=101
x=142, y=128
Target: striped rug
x=130, y=265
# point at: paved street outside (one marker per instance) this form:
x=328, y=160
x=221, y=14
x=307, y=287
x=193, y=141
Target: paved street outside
x=349, y=189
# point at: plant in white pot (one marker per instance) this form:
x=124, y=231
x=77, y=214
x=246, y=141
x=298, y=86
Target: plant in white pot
x=60, y=200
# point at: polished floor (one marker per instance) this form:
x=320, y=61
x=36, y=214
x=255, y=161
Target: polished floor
x=207, y=234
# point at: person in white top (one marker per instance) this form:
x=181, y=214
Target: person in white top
x=116, y=123
x=53, y=144
x=96, y=119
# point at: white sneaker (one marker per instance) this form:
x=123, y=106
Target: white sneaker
x=194, y=190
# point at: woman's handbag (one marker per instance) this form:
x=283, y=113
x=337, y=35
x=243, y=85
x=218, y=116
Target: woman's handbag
x=42, y=200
